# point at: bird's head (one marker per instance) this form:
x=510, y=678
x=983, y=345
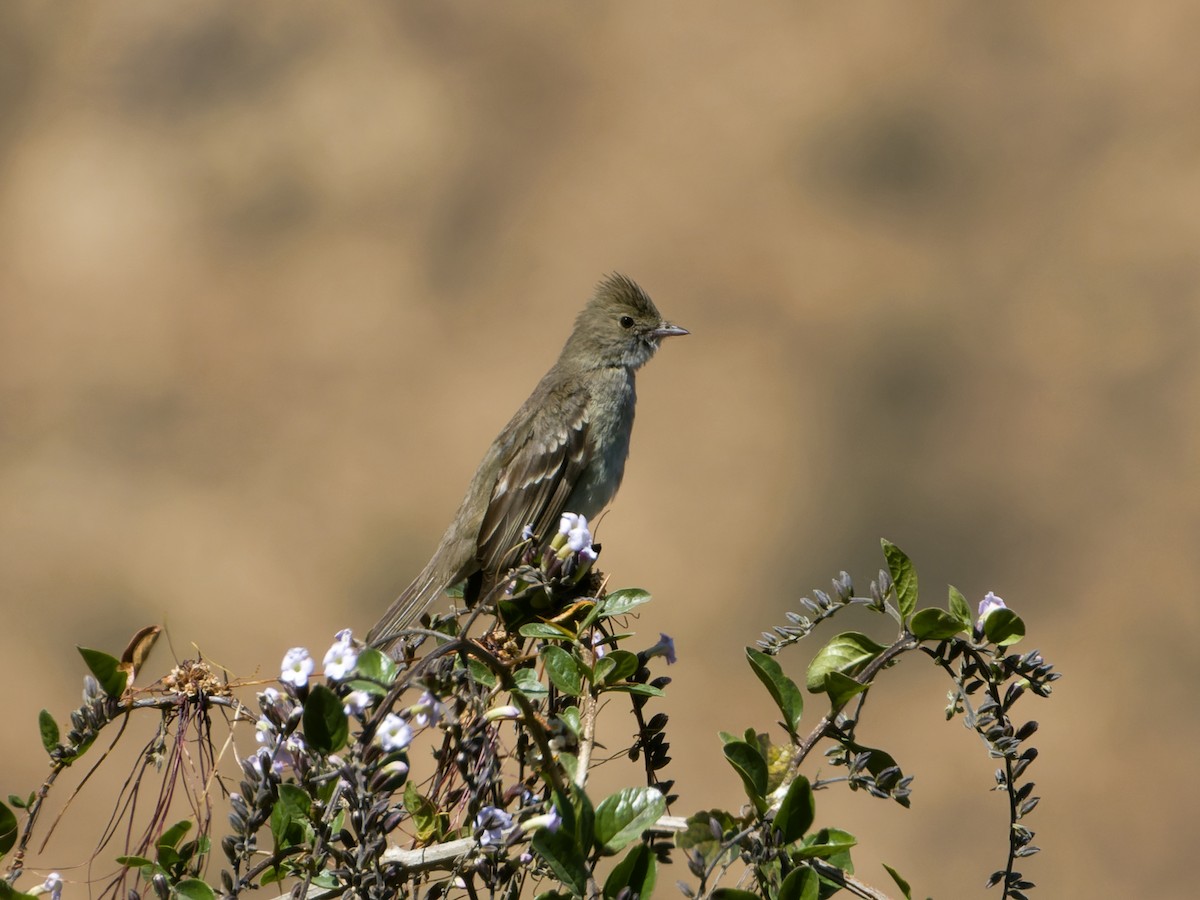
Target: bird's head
x=620, y=326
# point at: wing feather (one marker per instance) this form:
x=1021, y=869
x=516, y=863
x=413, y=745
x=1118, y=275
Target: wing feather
x=535, y=482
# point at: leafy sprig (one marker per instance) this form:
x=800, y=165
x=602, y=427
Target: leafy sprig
x=463, y=758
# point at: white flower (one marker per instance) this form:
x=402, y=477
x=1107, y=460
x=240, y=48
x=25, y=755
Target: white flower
x=264, y=731
x=987, y=606
x=356, y=703
x=394, y=733
x=527, y=533
x=494, y=822
x=297, y=666
x=341, y=657
x=428, y=711
x=567, y=522
x=579, y=538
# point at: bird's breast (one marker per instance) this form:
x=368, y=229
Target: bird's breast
x=610, y=423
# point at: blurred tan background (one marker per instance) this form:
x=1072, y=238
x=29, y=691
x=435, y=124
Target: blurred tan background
x=273, y=275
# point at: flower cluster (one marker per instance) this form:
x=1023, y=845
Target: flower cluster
x=571, y=554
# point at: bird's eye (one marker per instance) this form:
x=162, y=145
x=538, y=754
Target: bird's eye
x=626, y=321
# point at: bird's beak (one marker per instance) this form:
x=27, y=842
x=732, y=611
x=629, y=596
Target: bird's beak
x=666, y=329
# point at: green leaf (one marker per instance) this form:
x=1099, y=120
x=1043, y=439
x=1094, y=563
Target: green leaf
x=8, y=892
x=481, y=674
x=602, y=670
x=781, y=688
x=561, y=853
x=624, y=665
x=1003, y=627
x=374, y=672
x=194, y=889
x=748, y=761
x=326, y=880
x=565, y=671
x=570, y=718
x=905, y=889
x=275, y=874
x=49, y=729
x=802, y=883
x=847, y=653
x=618, y=603
x=960, y=609
x=22, y=802
x=797, y=811
x=699, y=836
x=728, y=893
x=170, y=838
x=578, y=814
x=622, y=817
x=935, y=624
x=289, y=816
x=637, y=871
x=643, y=690
x=425, y=814
x=325, y=725
x=195, y=850
x=841, y=688
x=904, y=578
x=831, y=844
x=166, y=849
x=106, y=669
x=546, y=631
x=877, y=761
x=137, y=862
x=527, y=683
x=570, y=765
x=8, y=828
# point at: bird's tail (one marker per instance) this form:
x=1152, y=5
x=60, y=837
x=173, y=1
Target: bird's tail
x=408, y=607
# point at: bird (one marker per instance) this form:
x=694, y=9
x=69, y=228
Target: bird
x=563, y=451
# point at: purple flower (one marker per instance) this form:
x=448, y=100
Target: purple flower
x=987, y=606
x=664, y=647
x=598, y=646
x=53, y=885
x=493, y=821
x=551, y=821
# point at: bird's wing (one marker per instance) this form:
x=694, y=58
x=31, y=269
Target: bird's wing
x=536, y=481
